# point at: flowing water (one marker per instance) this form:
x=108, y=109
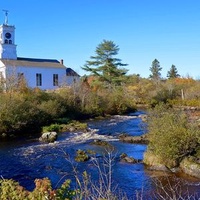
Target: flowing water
x=26, y=160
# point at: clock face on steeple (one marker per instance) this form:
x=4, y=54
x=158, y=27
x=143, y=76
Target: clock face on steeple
x=7, y=44
x=8, y=35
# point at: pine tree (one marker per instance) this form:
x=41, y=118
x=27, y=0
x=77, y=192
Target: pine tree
x=104, y=65
x=173, y=72
x=155, y=70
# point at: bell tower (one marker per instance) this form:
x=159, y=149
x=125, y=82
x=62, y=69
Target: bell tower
x=7, y=40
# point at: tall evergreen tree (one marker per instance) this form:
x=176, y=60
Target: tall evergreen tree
x=104, y=65
x=173, y=72
x=155, y=70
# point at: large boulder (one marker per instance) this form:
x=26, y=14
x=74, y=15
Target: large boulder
x=154, y=162
x=48, y=137
x=191, y=166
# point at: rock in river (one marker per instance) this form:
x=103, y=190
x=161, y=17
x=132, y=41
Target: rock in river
x=48, y=137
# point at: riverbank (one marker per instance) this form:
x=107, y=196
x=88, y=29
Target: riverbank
x=174, y=140
x=189, y=165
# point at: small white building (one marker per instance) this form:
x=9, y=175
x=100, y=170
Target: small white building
x=45, y=74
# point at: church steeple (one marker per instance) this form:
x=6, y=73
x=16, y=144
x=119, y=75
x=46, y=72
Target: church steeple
x=6, y=16
x=7, y=40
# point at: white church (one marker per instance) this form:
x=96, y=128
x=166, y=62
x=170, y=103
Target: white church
x=46, y=74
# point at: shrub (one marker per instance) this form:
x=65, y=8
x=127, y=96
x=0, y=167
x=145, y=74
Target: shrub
x=64, y=192
x=171, y=136
x=10, y=189
x=17, y=114
x=51, y=128
x=74, y=126
x=63, y=120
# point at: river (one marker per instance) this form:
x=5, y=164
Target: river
x=26, y=160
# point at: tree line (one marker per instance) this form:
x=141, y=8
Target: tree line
x=107, y=90
x=110, y=69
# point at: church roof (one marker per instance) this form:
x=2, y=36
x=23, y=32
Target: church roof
x=38, y=62
x=33, y=62
x=71, y=72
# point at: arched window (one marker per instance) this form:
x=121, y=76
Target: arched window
x=10, y=41
x=6, y=41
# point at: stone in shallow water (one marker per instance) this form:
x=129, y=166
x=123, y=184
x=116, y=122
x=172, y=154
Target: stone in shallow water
x=48, y=137
x=125, y=158
x=100, y=142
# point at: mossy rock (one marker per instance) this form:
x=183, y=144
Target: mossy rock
x=123, y=155
x=74, y=126
x=100, y=143
x=125, y=158
x=154, y=162
x=133, y=139
x=191, y=166
x=81, y=156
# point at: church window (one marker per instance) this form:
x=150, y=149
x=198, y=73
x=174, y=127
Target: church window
x=10, y=41
x=6, y=41
x=55, y=79
x=38, y=79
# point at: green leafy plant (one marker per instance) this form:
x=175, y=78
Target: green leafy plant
x=10, y=189
x=52, y=127
x=171, y=136
x=64, y=192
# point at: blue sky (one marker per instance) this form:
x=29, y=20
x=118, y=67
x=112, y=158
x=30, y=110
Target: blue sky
x=168, y=30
